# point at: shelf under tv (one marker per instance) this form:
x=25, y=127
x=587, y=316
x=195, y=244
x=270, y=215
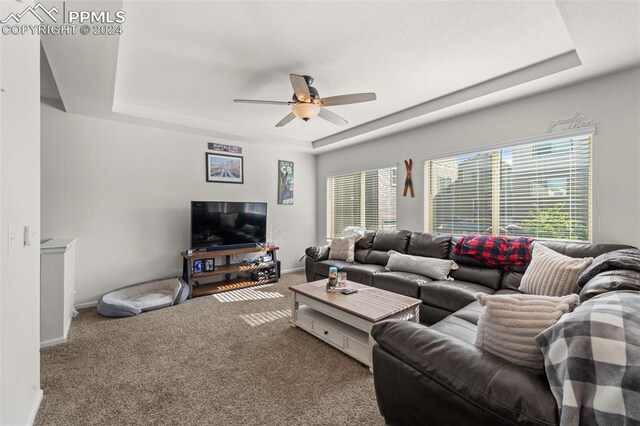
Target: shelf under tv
x=198, y=285
x=213, y=288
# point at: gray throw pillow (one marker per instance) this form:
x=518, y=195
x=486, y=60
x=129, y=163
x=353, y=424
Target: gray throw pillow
x=438, y=269
x=551, y=273
x=509, y=324
x=342, y=248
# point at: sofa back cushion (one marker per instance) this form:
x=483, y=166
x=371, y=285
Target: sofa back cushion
x=482, y=275
x=472, y=270
x=463, y=260
x=429, y=245
x=618, y=280
x=384, y=241
x=511, y=279
x=363, y=246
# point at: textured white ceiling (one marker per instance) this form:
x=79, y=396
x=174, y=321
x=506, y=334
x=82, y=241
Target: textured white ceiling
x=181, y=63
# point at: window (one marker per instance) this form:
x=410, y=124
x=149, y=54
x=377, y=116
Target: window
x=366, y=199
x=541, y=190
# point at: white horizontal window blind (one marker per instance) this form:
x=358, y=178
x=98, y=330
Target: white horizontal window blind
x=366, y=199
x=541, y=190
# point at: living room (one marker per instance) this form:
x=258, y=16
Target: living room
x=103, y=142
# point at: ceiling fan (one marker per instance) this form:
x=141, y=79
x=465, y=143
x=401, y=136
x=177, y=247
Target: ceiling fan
x=307, y=102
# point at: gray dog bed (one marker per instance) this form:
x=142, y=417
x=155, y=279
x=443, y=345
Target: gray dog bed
x=142, y=297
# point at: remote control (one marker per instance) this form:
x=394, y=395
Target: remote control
x=349, y=290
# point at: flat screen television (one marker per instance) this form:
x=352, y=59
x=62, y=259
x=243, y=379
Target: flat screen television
x=217, y=225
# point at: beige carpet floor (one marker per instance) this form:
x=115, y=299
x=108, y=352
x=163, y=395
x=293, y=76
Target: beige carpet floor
x=201, y=363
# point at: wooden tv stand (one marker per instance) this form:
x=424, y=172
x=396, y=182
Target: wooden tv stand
x=197, y=282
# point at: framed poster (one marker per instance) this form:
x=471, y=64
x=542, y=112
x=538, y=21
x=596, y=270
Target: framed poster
x=209, y=265
x=285, y=182
x=224, y=168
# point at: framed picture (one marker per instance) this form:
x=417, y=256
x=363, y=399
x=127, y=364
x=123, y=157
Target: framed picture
x=285, y=182
x=208, y=265
x=197, y=266
x=224, y=168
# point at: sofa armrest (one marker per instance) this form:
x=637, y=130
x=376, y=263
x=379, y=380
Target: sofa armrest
x=311, y=256
x=465, y=382
x=318, y=253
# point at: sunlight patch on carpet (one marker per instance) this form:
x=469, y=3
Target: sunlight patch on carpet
x=265, y=317
x=244, y=294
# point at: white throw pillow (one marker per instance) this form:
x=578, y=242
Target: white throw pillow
x=356, y=231
x=438, y=269
x=509, y=324
x=342, y=248
x=551, y=273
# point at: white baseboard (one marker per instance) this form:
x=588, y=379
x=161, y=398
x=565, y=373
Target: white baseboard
x=286, y=271
x=86, y=305
x=36, y=407
x=52, y=342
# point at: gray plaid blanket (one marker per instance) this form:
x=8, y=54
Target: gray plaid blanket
x=592, y=361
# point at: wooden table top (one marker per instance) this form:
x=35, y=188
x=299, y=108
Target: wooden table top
x=369, y=303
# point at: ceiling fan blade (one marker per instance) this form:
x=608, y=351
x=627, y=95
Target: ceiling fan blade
x=254, y=101
x=289, y=117
x=353, y=98
x=300, y=87
x=332, y=117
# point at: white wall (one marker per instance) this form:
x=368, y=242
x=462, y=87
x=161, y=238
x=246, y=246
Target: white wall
x=614, y=101
x=124, y=190
x=20, y=392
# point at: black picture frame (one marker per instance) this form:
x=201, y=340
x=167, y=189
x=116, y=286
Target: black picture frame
x=197, y=266
x=209, y=265
x=223, y=168
x=285, y=182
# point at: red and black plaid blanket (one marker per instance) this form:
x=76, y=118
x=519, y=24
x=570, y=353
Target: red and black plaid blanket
x=493, y=251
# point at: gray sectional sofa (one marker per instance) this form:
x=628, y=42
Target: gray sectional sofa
x=436, y=375
x=439, y=298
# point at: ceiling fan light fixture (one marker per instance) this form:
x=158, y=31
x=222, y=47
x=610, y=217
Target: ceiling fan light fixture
x=305, y=111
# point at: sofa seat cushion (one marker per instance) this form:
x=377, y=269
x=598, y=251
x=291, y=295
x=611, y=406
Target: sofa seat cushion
x=322, y=267
x=507, y=291
x=470, y=313
x=451, y=295
x=405, y=283
x=458, y=328
x=361, y=273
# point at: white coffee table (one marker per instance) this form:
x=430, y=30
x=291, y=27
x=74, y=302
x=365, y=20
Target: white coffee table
x=345, y=321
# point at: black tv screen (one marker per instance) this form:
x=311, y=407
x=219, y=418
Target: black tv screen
x=227, y=224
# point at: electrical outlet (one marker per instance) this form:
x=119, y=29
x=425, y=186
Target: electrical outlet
x=27, y=236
